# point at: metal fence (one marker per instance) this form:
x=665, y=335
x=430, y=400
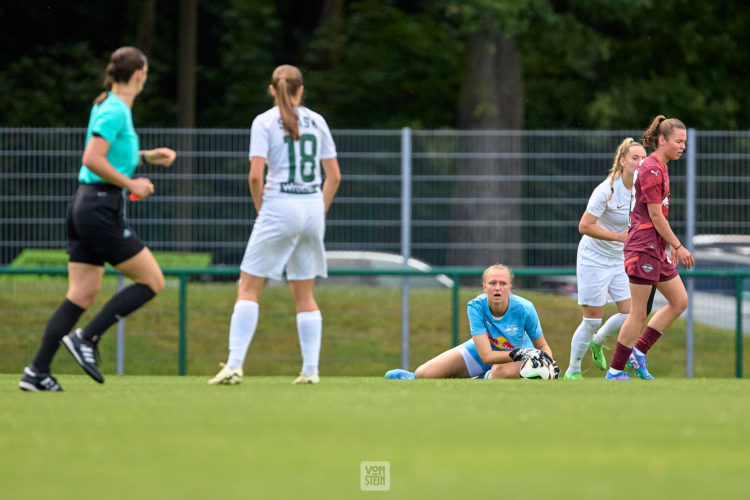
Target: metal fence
x=476, y=196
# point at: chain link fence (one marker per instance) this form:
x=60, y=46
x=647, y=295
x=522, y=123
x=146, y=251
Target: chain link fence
x=477, y=197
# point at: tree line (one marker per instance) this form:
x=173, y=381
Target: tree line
x=459, y=64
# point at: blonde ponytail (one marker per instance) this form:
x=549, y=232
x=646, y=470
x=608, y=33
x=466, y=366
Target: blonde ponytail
x=616, y=170
x=286, y=81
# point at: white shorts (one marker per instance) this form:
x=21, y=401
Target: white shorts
x=288, y=232
x=596, y=282
x=473, y=362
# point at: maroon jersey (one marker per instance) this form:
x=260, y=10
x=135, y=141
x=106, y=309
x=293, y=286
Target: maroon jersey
x=650, y=186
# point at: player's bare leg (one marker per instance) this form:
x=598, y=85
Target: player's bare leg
x=449, y=364
x=506, y=370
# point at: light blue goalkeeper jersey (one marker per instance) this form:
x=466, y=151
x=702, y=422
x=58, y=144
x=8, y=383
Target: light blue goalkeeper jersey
x=518, y=326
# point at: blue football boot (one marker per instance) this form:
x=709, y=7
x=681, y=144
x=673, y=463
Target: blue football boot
x=399, y=374
x=637, y=362
x=619, y=376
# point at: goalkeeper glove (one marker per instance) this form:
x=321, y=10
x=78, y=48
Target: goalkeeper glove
x=536, y=354
x=555, y=369
x=518, y=354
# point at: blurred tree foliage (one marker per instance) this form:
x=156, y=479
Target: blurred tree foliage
x=389, y=63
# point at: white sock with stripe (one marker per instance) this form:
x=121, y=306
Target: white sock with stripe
x=610, y=328
x=580, y=343
x=310, y=331
x=241, y=331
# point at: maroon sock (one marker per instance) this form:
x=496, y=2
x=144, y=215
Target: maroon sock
x=620, y=357
x=648, y=338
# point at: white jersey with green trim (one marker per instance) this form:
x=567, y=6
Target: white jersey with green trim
x=612, y=215
x=293, y=166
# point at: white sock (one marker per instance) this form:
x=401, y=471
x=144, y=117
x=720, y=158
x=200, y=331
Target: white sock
x=310, y=329
x=241, y=331
x=580, y=343
x=610, y=328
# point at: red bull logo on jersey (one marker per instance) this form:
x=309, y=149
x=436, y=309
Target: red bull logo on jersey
x=500, y=343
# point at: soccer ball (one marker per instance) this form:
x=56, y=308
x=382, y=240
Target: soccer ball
x=538, y=369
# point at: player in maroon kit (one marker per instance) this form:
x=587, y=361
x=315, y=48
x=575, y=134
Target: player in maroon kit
x=646, y=260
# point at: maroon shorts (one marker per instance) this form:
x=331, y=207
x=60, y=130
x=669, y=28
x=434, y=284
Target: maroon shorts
x=645, y=269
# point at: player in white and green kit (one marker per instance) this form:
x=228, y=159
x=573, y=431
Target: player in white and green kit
x=600, y=262
x=295, y=143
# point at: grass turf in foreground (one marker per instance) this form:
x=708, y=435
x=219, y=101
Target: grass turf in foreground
x=176, y=437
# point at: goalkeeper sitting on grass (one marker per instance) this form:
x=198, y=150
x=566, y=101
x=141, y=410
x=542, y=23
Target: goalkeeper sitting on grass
x=504, y=329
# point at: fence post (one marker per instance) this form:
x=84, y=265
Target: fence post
x=454, y=308
x=120, y=332
x=405, y=240
x=738, y=291
x=692, y=149
x=183, y=321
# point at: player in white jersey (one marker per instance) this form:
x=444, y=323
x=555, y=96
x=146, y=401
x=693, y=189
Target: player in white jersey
x=600, y=266
x=295, y=143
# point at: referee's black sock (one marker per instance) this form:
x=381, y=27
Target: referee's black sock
x=59, y=325
x=119, y=306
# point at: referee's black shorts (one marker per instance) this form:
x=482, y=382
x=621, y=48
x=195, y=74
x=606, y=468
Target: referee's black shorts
x=97, y=232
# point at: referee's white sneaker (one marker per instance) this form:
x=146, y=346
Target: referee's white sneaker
x=307, y=379
x=84, y=352
x=227, y=376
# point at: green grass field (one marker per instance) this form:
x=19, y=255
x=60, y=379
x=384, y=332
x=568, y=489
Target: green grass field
x=177, y=438
x=150, y=434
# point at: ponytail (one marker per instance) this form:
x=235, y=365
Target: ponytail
x=122, y=64
x=616, y=170
x=107, y=85
x=660, y=126
x=286, y=81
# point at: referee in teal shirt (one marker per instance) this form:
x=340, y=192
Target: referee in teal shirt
x=97, y=232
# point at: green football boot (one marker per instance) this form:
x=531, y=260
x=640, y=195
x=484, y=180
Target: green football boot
x=597, y=352
x=573, y=376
